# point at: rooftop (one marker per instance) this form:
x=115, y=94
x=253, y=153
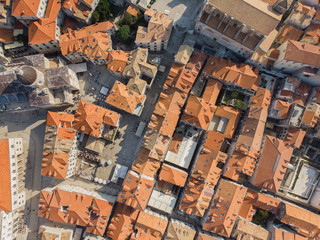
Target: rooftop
x=225, y=208
x=173, y=175
x=125, y=99
x=158, y=30
x=136, y=190
x=275, y=157
x=75, y=208
x=5, y=190
x=241, y=75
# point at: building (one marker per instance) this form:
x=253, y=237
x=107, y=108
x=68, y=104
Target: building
x=179, y=230
x=287, y=33
x=225, y=120
x=43, y=87
x=206, y=173
x=301, y=220
x=94, y=120
x=244, y=229
x=125, y=99
x=149, y=225
x=184, y=54
x=60, y=146
x=136, y=190
x=140, y=73
x=300, y=16
x=12, y=187
x=283, y=234
x=232, y=27
x=117, y=61
x=182, y=77
x=249, y=142
x=76, y=206
x=26, y=11
x=312, y=34
x=122, y=222
x=80, y=9
x=47, y=232
x=274, y=160
x=225, y=208
x=300, y=59
x=91, y=43
x=155, y=37
x=311, y=115
x=44, y=34
x=254, y=201
x=242, y=76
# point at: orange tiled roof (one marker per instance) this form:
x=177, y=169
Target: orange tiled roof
x=133, y=10
x=198, y=112
x=281, y=234
x=25, y=7
x=225, y=208
x=173, y=175
x=311, y=114
x=212, y=91
x=146, y=165
x=59, y=119
x=182, y=77
x=117, y=60
x=312, y=35
x=122, y=223
x=90, y=118
x=44, y=30
x=302, y=93
x=303, y=221
x=136, y=190
x=295, y=137
x=55, y=157
x=303, y=53
x=248, y=146
x=288, y=32
x=233, y=115
x=5, y=190
x=123, y=98
x=206, y=237
x=283, y=109
x=255, y=200
x=92, y=41
x=205, y=176
x=273, y=163
x=149, y=227
x=241, y=75
x=75, y=208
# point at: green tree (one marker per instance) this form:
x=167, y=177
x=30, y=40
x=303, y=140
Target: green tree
x=234, y=94
x=123, y=34
x=129, y=20
x=95, y=17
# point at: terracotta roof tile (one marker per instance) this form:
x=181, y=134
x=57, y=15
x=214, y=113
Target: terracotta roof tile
x=75, y=208
x=173, y=175
x=133, y=10
x=254, y=201
x=241, y=75
x=146, y=165
x=123, y=98
x=117, y=60
x=203, y=236
x=311, y=114
x=136, y=190
x=225, y=208
x=5, y=190
x=288, y=32
x=149, y=227
x=295, y=137
x=6, y=35
x=205, y=176
x=91, y=118
x=122, y=223
x=303, y=221
x=273, y=163
x=25, y=7
x=233, y=116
